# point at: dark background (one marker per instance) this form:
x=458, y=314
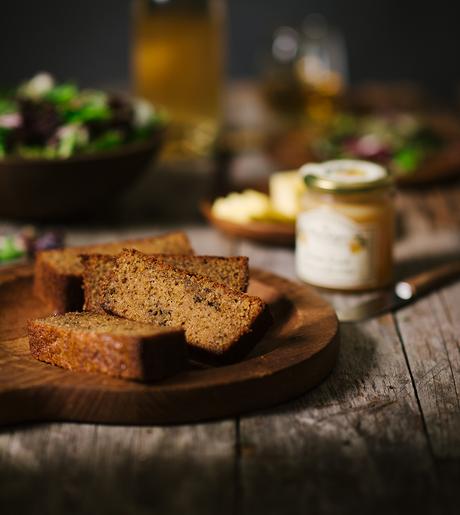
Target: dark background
x=88, y=40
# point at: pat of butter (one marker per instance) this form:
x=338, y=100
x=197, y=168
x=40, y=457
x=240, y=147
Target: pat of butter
x=286, y=190
x=242, y=207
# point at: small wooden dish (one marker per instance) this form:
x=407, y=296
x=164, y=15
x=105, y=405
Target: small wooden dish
x=297, y=353
x=275, y=233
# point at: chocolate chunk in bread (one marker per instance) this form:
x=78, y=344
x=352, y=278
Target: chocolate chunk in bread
x=58, y=273
x=221, y=324
x=230, y=271
x=93, y=342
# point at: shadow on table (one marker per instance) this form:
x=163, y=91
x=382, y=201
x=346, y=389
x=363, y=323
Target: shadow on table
x=118, y=484
x=355, y=444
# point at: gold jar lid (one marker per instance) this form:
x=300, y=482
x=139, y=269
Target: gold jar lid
x=345, y=176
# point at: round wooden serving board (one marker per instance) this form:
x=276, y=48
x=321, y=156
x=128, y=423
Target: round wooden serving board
x=298, y=352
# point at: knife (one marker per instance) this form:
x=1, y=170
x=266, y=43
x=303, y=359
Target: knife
x=402, y=293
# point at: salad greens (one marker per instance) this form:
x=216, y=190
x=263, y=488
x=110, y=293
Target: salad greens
x=43, y=119
x=399, y=141
x=9, y=250
x=26, y=242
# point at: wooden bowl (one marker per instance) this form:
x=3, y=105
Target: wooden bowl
x=269, y=233
x=442, y=166
x=44, y=189
x=293, y=148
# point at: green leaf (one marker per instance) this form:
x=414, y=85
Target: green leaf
x=409, y=158
x=9, y=250
x=62, y=93
x=7, y=106
x=32, y=152
x=87, y=113
x=108, y=140
x=142, y=133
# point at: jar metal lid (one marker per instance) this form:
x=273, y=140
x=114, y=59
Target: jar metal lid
x=345, y=176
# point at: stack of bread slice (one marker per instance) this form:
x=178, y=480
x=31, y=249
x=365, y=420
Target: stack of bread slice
x=148, y=304
x=58, y=273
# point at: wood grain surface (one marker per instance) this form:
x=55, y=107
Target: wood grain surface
x=298, y=352
x=379, y=435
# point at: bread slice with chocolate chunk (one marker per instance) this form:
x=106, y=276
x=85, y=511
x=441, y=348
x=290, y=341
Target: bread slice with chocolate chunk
x=230, y=271
x=92, y=342
x=58, y=273
x=221, y=324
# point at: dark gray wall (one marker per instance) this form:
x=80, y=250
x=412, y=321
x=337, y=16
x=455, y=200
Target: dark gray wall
x=386, y=39
x=88, y=40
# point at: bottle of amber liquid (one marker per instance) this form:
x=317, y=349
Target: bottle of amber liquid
x=178, y=63
x=345, y=231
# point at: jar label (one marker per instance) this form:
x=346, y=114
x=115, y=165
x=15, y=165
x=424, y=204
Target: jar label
x=334, y=251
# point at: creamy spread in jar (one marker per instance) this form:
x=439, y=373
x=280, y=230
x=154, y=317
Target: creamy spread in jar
x=345, y=230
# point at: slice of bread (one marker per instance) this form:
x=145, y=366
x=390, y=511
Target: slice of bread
x=92, y=342
x=58, y=273
x=231, y=271
x=96, y=274
x=221, y=324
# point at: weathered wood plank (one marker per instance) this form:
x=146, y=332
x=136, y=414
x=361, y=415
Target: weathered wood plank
x=430, y=332
x=429, y=328
x=85, y=469
x=430, y=209
x=413, y=217
x=423, y=251
x=277, y=259
x=450, y=197
x=360, y=432
x=449, y=297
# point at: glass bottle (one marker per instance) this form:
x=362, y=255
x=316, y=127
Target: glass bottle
x=322, y=68
x=178, y=63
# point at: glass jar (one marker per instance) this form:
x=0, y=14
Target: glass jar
x=178, y=63
x=345, y=230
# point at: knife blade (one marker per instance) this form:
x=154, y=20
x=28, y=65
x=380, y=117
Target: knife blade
x=401, y=294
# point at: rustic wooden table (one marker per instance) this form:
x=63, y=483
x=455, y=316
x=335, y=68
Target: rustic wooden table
x=381, y=434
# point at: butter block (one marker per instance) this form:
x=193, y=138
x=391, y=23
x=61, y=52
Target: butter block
x=286, y=190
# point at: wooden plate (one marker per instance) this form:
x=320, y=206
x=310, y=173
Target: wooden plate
x=298, y=352
x=262, y=232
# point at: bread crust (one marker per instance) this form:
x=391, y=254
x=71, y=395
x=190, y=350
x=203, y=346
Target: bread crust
x=241, y=347
x=63, y=290
x=141, y=358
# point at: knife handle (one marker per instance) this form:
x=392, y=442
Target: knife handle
x=427, y=281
